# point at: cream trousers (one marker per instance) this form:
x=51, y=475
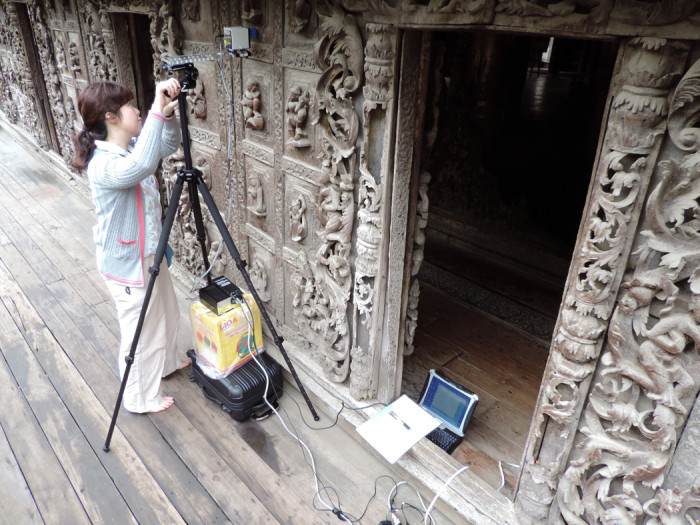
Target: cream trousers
x=156, y=354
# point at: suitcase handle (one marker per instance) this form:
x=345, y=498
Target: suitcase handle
x=209, y=396
x=267, y=412
x=260, y=417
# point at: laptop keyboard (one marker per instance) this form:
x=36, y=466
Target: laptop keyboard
x=444, y=439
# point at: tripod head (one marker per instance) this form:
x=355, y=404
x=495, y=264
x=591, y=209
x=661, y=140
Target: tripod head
x=190, y=74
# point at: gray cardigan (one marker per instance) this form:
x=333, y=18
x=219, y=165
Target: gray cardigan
x=115, y=175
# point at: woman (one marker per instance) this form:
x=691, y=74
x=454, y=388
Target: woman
x=127, y=204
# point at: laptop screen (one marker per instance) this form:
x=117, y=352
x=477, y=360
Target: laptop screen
x=450, y=402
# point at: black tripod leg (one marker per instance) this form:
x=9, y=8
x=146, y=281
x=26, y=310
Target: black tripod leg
x=199, y=225
x=154, y=270
x=221, y=225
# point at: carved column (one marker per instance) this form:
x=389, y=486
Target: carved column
x=648, y=70
x=378, y=109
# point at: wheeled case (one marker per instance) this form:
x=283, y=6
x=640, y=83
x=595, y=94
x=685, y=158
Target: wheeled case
x=240, y=393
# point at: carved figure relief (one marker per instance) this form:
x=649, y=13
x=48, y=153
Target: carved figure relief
x=651, y=68
x=297, y=110
x=252, y=12
x=74, y=59
x=297, y=219
x=60, y=54
x=258, y=276
x=198, y=104
x=251, y=107
x=190, y=10
x=649, y=373
x=256, y=196
x=299, y=18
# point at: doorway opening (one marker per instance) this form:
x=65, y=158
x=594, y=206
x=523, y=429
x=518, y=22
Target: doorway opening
x=512, y=129
x=132, y=34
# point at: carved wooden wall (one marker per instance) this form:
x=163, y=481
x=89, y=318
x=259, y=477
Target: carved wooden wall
x=326, y=138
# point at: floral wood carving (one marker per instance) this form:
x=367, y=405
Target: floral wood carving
x=324, y=291
x=632, y=12
x=58, y=101
x=377, y=91
x=16, y=89
x=650, y=69
x=649, y=373
x=99, y=63
x=422, y=207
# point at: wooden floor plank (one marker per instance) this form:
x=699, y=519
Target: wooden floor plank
x=223, y=433
x=24, y=243
x=16, y=504
x=51, y=489
x=206, y=467
x=93, y=485
x=143, y=495
x=52, y=241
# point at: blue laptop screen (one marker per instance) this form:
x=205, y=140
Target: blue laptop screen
x=451, y=403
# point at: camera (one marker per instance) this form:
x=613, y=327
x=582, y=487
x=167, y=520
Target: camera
x=237, y=39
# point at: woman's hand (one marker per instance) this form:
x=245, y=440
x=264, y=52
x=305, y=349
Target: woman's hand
x=166, y=96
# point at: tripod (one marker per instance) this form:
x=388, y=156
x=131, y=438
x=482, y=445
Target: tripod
x=194, y=177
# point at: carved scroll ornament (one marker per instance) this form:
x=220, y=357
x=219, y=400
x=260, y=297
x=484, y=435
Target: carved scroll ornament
x=650, y=68
x=324, y=290
x=649, y=373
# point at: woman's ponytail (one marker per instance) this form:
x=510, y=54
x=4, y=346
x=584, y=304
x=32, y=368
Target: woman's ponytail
x=84, y=148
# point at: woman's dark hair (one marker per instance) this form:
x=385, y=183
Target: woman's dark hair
x=94, y=102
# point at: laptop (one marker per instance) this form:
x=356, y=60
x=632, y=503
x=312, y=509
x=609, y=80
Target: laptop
x=450, y=403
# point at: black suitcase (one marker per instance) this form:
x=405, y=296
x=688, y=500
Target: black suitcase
x=240, y=393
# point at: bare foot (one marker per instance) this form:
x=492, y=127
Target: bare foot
x=165, y=404
x=184, y=363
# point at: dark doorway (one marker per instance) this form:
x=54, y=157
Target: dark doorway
x=519, y=124
x=132, y=33
x=43, y=104
x=512, y=128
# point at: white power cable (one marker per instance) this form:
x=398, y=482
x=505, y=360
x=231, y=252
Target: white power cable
x=503, y=477
x=432, y=503
x=253, y=351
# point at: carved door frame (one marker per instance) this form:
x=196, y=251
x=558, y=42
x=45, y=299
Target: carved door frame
x=630, y=141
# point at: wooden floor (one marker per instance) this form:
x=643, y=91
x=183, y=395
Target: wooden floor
x=190, y=464
x=502, y=364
